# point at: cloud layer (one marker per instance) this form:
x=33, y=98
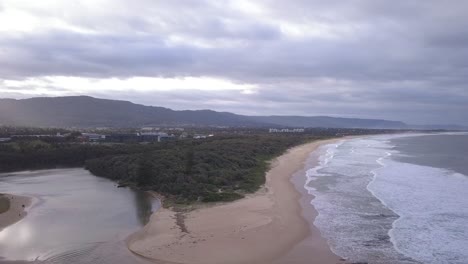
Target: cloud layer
x=402, y=60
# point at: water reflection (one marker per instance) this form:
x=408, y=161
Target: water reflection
x=74, y=215
x=144, y=205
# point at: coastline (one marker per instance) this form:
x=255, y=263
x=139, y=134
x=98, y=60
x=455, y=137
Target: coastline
x=16, y=211
x=261, y=228
x=314, y=244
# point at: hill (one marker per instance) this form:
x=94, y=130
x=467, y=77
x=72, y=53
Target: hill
x=330, y=122
x=85, y=111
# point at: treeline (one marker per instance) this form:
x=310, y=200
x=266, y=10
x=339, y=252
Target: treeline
x=6, y=131
x=39, y=154
x=215, y=169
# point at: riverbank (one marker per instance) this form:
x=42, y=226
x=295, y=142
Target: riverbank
x=12, y=209
x=260, y=228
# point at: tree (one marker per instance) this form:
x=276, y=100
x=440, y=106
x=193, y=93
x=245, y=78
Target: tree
x=144, y=172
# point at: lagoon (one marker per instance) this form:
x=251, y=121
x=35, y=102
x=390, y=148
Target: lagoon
x=75, y=217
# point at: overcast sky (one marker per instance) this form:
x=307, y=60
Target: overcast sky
x=401, y=60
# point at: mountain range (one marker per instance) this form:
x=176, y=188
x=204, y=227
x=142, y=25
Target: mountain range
x=85, y=112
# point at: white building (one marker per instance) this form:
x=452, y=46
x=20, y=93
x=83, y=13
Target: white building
x=287, y=130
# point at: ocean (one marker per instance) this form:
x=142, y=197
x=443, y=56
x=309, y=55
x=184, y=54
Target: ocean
x=394, y=198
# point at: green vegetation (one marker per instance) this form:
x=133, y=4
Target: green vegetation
x=38, y=154
x=221, y=169
x=186, y=171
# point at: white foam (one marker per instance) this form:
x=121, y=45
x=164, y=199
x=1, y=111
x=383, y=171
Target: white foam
x=327, y=154
x=339, y=199
x=363, y=213
x=433, y=207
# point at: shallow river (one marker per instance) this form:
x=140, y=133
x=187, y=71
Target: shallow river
x=75, y=217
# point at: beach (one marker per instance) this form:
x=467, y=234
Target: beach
x=264, y=227
x=12, y=209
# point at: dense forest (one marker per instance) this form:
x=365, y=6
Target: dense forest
x=214, y=169
x=208, y=170
x=40, y=154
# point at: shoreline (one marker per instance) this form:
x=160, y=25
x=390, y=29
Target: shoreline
x=261, y=228
x=16, y=209
x=314, y=244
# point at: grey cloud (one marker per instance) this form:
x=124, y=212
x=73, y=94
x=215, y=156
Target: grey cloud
x=398, y=59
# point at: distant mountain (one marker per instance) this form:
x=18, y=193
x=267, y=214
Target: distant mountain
x=440, y=127
x=85, y=111
x=331, y=122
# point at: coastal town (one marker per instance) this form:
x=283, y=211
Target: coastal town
x=145, y=135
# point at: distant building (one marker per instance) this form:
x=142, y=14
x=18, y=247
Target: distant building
x=4, y=139
x=199, y=136
x=150, y=128
x=151, y=136
x=166, y=138
x=175, y=129
x=183, y=135
x=122, y=138
x=143, y=137
x=91, y=137
x=287, y=130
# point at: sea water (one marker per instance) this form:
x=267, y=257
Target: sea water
x=394, y=198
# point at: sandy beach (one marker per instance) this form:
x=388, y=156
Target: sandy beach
x=12, y=209
x=261, y=228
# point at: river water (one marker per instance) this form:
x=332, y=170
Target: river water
x=75, y=217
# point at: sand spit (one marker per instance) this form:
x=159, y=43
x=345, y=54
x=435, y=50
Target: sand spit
x=260, y=228
x=12, y=209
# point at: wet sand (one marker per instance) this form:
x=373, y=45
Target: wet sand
x=301, y=253
x=264, y=227
x=12, y=209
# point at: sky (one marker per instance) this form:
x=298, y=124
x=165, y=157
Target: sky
x=398, y=60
